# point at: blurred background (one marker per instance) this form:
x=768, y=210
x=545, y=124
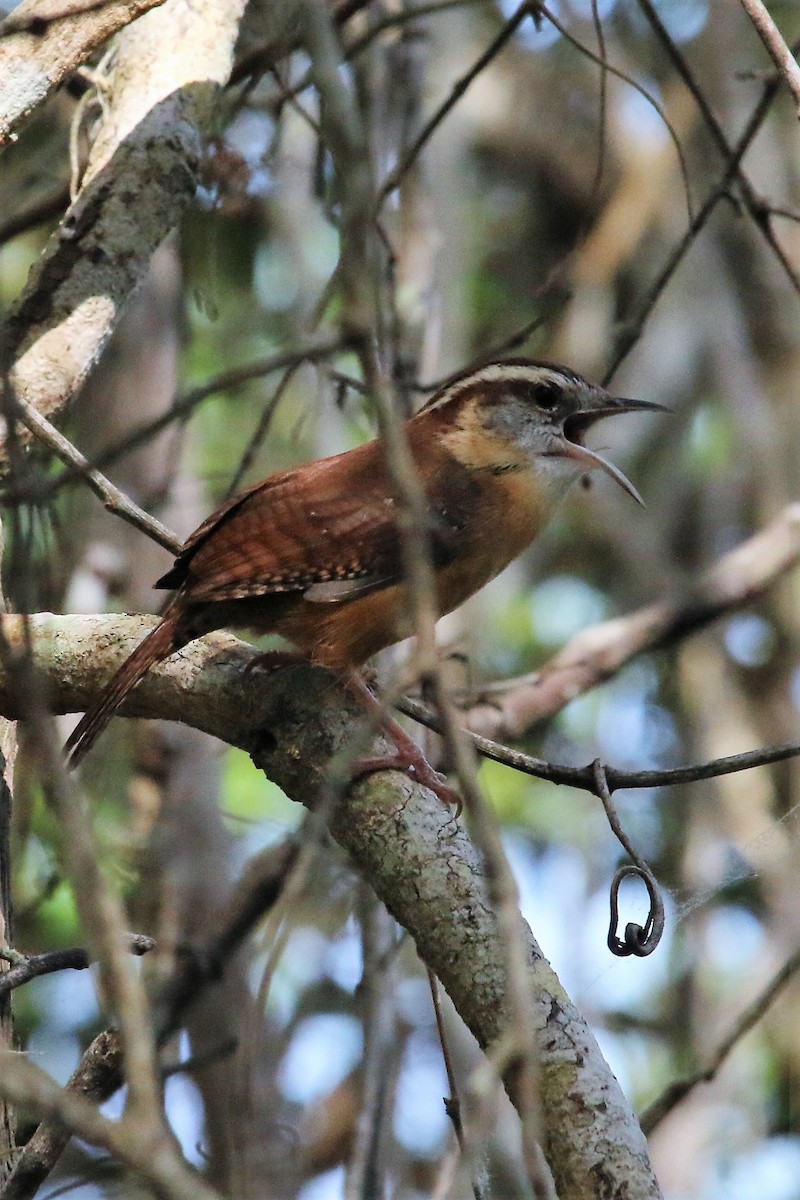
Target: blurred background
x=540, y=218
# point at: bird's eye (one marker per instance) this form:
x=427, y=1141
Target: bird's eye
x=543, y=395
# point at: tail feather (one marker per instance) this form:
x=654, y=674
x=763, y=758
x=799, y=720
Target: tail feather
x=158, y=645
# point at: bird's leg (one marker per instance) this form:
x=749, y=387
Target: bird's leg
x=408, y=756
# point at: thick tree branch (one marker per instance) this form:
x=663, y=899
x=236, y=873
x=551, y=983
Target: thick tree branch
x=416, y=856
x=202, y=686
x=43, y=41
x=423, y=865
x=160, y=95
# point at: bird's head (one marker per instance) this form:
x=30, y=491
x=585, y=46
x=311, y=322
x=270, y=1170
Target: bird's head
x=521, y=415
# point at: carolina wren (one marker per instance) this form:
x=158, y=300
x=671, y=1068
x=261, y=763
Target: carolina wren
x=314, y=554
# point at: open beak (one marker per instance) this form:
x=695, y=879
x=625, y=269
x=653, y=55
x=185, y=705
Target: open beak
x=576, y=425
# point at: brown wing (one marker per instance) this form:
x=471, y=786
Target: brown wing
x=327, y=530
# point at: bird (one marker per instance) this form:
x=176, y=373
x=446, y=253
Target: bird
x=314, y=553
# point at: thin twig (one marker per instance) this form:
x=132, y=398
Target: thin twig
x=583, y=779
x=759, y=211
x=113, y=498
x=655, y=1113
x=780, y=210
x=776, y=47
x=260, y=431
x=631, y=330
x=452, y=1102
x=77, y=958
x=395, y=177
x=509, y=711
x=602, y=109
x=639, y=940
x=184, y=405
x=366, y=1170
x=607, y=67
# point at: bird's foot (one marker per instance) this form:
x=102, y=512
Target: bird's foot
x=410, y=759
x=407, y=757
x=275, y=660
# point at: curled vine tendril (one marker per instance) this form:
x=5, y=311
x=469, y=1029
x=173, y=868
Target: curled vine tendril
x=638, y=940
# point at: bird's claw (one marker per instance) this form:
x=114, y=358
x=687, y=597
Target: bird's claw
x=414, y=765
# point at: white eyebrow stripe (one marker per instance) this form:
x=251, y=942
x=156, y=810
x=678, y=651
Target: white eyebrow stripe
x=501, y=372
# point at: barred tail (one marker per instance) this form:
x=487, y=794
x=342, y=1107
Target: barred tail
x=158, y=645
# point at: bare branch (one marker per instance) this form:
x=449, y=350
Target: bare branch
x=608, y=68
x=395, y=178
x=100, y=1071
x=41, y=43
x=154, y=1159
x=598, y=653
x=113, y=498
x=392, y=827
x=776, y=47
x=631, y=331
x=759, y=211
x=26, y=967
x=583, y=777
x=167, y=71
x=655, y=1113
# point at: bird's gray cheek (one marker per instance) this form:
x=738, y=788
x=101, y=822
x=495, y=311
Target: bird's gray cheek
x=494, y=418
x=511, y=420
x=536, y=437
